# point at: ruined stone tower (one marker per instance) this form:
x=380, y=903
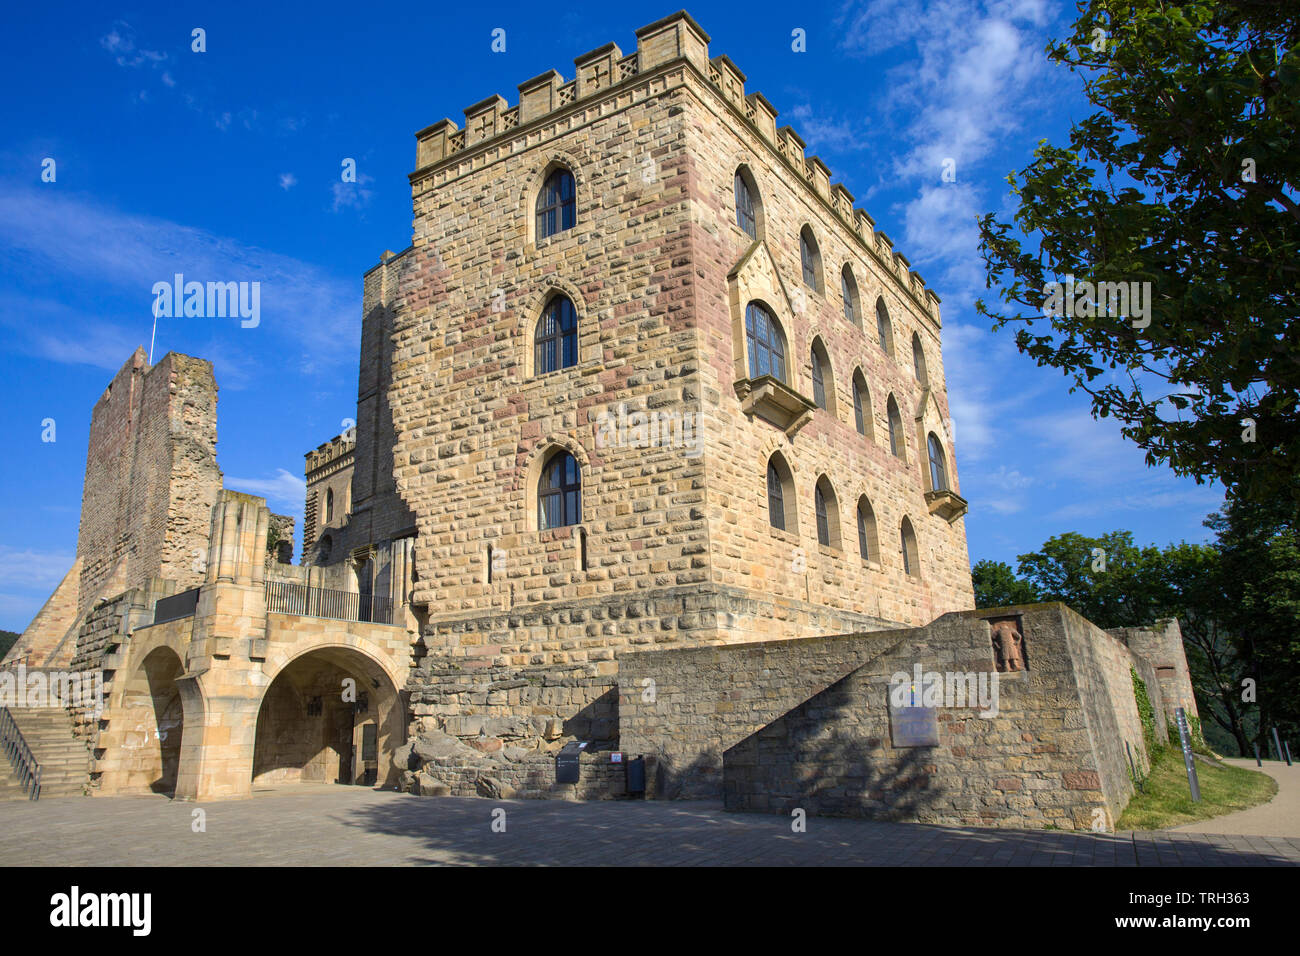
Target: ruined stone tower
x=151, y=481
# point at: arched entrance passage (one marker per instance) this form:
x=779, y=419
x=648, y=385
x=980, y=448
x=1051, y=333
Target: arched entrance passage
x=331, y=715
x=154, y=720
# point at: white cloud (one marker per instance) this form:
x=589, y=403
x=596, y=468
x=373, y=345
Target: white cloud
x=288, y=181
x=975, y=71
x=352, y=195
x=302, y=307
x=826, y=133
x=120, y=44
x=285, y=490
x=940, y=225
x=25, y=569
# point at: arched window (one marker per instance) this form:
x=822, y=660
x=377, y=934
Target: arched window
x=896, y=443
x=555, y=343
x=559, y=492
x=849, y=292
x=323, y=548
x=867, y=545
x=938, y=468
x=861, y=405
x=918, y=360
x=823, y=377
x=780, y=490
x=907, y=542
x=746, y=217
x=556, y=204
x=828, y=517
x=811, y=258
x=329, y=505
x=883, y=328
x=766, y=343
x=775, y=496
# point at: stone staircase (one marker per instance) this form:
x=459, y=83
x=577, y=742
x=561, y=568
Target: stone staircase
x=64, y=759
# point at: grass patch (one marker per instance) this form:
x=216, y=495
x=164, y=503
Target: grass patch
x=1168, y=801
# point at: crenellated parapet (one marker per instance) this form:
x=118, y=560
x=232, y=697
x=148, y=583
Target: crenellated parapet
x=329, y=456
x=607, y=71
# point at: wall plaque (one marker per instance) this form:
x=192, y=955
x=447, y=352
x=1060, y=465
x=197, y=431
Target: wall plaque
x=913, y=726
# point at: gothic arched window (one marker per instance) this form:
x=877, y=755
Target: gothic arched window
x=775, y=497
x=896, y=443
x=938, y=468
x=883, y=329
x=766, y=343
x=556, y=204
x=746, y=218
x=556, y=338
x=849, y=292
x=811, y=259
x=559, y=492
x=866, y=529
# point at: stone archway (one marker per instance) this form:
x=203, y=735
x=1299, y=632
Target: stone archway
x=331, y=715
x=154, y=720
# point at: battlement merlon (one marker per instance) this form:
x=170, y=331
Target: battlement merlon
x=326, y=453
x=673, y=39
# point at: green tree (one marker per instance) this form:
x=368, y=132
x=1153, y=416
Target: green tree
x=1107, y=579
x=1185, y=177
x=996, y=585
x=7, y=640
x=1259, y=550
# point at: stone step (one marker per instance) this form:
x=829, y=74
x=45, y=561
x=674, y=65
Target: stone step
x=64, y=759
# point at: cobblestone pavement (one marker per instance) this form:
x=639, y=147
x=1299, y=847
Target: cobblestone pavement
x=356, y=826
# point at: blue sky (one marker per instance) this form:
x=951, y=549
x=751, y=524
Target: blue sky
x=225, y=165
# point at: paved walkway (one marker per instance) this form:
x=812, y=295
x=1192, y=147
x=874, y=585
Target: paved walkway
x=356, y=826
x=1279, y=817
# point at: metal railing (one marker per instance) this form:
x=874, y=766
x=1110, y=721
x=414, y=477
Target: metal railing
x=286, y=597
x=176, y=606
x=20, y=755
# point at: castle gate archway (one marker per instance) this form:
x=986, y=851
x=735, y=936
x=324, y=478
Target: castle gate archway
x=154, y=723
x=331, y=715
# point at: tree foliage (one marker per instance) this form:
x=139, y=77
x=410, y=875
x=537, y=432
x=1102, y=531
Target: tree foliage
x=996, y=585
x=1185, y=176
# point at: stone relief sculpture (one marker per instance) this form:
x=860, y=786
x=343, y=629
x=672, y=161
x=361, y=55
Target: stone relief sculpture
x=1008, y=646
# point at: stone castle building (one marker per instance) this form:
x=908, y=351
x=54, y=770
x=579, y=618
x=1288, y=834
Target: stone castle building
x=652, y=450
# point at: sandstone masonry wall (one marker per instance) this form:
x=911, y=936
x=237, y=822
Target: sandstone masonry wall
x=686, y=706
x=745, y=550
x=37, y=644
x=151, y=477
x=652, y=148
x=1047, y=757
x=1162, y=645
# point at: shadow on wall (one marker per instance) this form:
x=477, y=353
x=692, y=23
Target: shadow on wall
x=827, y=757
x=597, y=722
